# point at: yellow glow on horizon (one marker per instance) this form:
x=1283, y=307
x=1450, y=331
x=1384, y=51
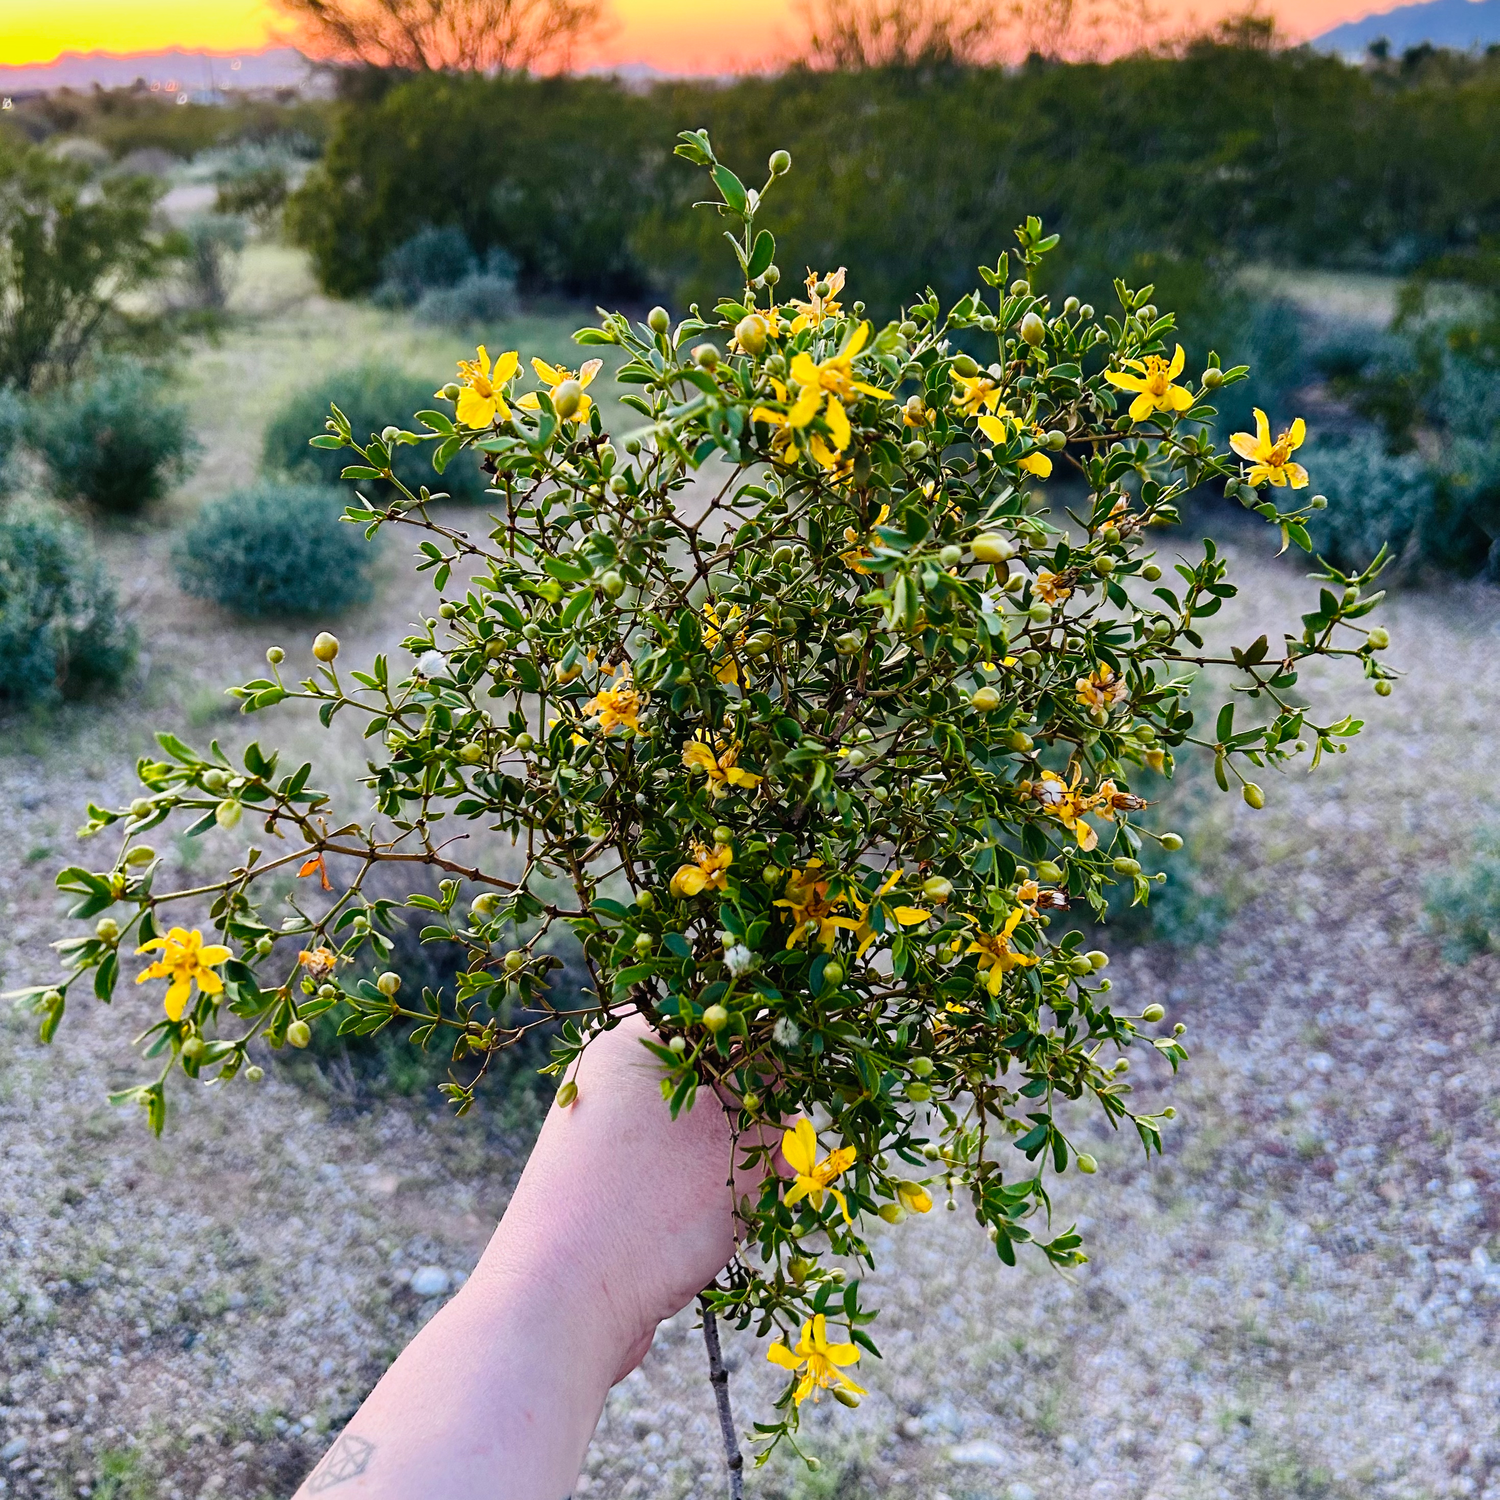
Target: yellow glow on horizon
x=674, y=35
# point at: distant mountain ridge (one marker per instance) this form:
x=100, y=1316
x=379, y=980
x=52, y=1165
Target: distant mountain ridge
x=191, y=72
x=1460, y=24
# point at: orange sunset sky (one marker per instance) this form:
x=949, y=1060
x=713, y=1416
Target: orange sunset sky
x=688, y=35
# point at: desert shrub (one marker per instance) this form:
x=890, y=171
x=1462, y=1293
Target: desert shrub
x=113, y=440
x=276, y=549
x=1375, y=499
x=372, y=397
x=436, y=256
x=1462, y=904
x=1267, y=335
x=777, y=756
x=213, y=244
x=60, y=629
x=12, y=427
x=481, y=298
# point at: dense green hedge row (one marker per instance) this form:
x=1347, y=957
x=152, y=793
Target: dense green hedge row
x=1283, y=156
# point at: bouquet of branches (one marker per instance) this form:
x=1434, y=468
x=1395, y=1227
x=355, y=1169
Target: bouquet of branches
x=812, y=716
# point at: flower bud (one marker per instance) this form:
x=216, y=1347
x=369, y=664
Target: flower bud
x=1253, y=795
x=107, y=930
x=951, y=556
x=141, y=855
x=1016, y=740
x=678, y=1044
x=985, y=700
x=892, y=1213
x=193, y=1047
x=255, y=1073
x=1125, y=866
x=966, y=366
x=567, y=1094
x=514, y=960
x=388, y=983
x=275, y=655
x=821, y=289
x=1033, y=330
x=937, y=888
x=299, y=1033
x=848, y=643
x=1019, y=287
x=1382, y=689
x=1086, y=1163
x=612, y=584
x=1380, y=638
x=706, y=357
x=1171, y=842
x=658, y=320
x=1213, y=378
x=1048, y=871
x=716, y=1018
x=1150, y=572
x=750, y=333
x=918, y=1093
x=1153, y=1013
x=780, y=163
x=750, y=1102
x=264, y=944
x=833, y=976
x=1098, y=959
x=1319, y=502
x=567, y=397
x=452, y=391
x=922, y=1067
x=227, y=813
x=325, y=647
x=1039, y=613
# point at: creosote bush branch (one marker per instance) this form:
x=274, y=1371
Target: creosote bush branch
x=813, y=704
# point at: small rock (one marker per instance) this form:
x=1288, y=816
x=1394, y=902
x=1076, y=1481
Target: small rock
x=1019, y=1491
x=1189, y=1455
x=429, y=1281
x=242, y=1450
x=910, y=1428
x=980, y=1454
x=13, y=1449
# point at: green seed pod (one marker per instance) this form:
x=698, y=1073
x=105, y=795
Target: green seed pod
x=1104, y=566
x=1319, y=502
x=525, y=742
x=918, y=1093
x=985, y=700
x=1150, y=572
x=254, y=1073
x=1019, y=742
x=1029, y=659
x=264, y=944
x=716, y=1018
x=567, y=397
x=567, y=1094
x=1039, y=613
x=227, y=813
x=471, y=754
x=1171, y=842
x=965, y=366
x=141, y=855
x=193, y=1047
x=848, y=643
x=833, y=976
x=1382, y=689
x=1098, y=959
x=658, y=320
x=1126, y=866
x=1048, y=871
x=1253, y=795
x=922, y=1067
x=275, y=655
x=951, y=556
x=299, y=1033
x=1153, y=1013
x=892, y=1213
x=1033, y=330
x=706, y=357
x=1213, y=378
x=856, y=758
x=1086, y=1163
x=1380, y=638
x=937, y=888
x=612, y=584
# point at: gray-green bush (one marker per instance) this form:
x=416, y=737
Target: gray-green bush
x=276, y=549
x=1463, y=904
x=12, y=426
x=60, y=629
x=372, y=398
x=115, y=440
x=1374, y=498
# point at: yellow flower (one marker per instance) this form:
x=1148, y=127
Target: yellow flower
x=915, y=1199
x=858, y=550
x=811, y=911
x=184, y=959
x=553, y=376
x=619, y=703
x=717, y=762
x=1270, y=460
x=817, y=1361
x=713, y=629
x=1068, y=805
x=999, y=428
x=1048, y=586
x=996, y=954
x=706, y=872
x=1102, y=688
x=1153, y=381
x=973, y=394
x=826, y=387
x=813, y=312
x=814, y=1178
x=482, y=398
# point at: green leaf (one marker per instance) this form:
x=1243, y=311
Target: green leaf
x=761, y=256
x=732, y=188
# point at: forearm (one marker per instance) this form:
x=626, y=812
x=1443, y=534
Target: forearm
x=452, y=1419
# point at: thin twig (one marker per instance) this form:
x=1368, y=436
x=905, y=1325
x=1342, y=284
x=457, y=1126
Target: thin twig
x=718, y=1377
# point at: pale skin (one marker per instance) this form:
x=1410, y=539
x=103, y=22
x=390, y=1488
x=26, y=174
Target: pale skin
x=621, y=1217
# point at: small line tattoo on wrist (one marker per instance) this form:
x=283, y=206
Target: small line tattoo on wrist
x=348, y=1458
